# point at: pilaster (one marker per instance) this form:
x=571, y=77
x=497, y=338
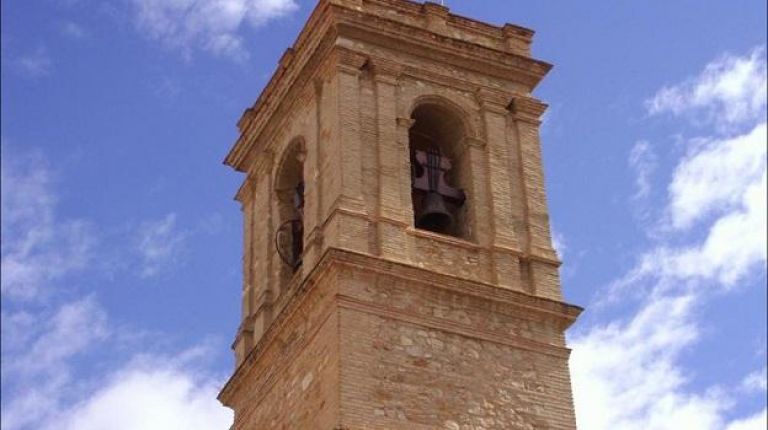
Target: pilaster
x=264, y=253
x=313, y=185
x=391, y=218
x=527, y=114
x=505, y=247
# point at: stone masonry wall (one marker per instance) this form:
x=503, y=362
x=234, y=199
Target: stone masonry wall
x=292, y=382
x=417, y=356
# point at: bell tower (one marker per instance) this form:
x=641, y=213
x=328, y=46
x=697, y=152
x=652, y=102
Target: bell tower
x=398, y=270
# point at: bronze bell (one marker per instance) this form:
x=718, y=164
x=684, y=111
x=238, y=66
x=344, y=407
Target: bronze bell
x=434, y=215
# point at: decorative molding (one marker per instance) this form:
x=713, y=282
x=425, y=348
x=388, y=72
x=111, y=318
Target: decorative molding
x=245, y=119
x=436, y=9
x=513, y=341
x=286, y=58
x=246, y=190
x=493, y=100
x=518, y=39
x=474, y=142
x=537, y=308
x=527, y=109
x=385, y=70
x=405, y=123
x=436, y=16
x=365, y=21
x=348, y=60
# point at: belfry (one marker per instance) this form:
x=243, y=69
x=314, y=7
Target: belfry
x=398, y=270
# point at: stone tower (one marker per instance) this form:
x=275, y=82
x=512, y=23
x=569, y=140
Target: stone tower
x=398, y=266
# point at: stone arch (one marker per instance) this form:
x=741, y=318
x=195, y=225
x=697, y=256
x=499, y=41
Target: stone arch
x=289, y=192
x=440, y=132
x=463, y=110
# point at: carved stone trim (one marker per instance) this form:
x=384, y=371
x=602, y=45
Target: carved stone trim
x=561, y=313
x=492, y=100
x=517, y=39
x=527, y=109
x=286, y=58
x=436, y=16
x=405, y=123
x=349, y=60
x=385, y=70
x=473, y=142
x=364, y=21
x=436, y=9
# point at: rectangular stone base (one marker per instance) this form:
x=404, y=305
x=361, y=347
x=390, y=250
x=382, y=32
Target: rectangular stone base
x=370, y=344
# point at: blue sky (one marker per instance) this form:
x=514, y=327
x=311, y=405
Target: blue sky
x=121, y=243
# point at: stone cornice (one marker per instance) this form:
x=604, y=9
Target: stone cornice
x=364, y=20
x=307, y=45
x=562, y=314
x=385, y=69
x=442, y=48
x=347, y=59
x=527, y=109
x=496, y=101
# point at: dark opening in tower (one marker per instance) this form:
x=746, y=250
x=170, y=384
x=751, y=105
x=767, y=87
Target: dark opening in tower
x=438, y=171
x=289, y=187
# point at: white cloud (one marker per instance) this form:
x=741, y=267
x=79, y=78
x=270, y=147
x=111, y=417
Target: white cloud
x=149, y=392
x=35, y=64
x=643, y=160
x=722, y=185
x=627, y=373
x=40, y=369
x=160, y=245
x=730, y=91
x=715, y=175
x=36, y=247
x=159, y=393
x=728, y=178
x=559, y=242
x=755, y=381
x=757, y=422
x=72, y=329
x=211, y=25
x=52, y=374
x=74, y=30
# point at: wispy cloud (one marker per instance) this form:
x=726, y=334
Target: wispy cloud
x=50, y=340
x=643, y=160
x=37, y=247
x=74, y=30
x=153, y=392
x=650, y=393
x=725, y=179
x=719, y=187
x=213, y=26
x=33, y=64
x=715, y=175
x=160, y=245
x=729, y=91
x=73, y=328
x=759, y=421
x=755, y=381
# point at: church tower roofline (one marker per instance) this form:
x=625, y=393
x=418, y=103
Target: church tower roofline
x=421, y=29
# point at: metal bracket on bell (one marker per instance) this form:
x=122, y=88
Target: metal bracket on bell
x=294, y=228
x=435, y=214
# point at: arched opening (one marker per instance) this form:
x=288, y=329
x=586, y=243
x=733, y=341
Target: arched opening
x=438, y=171
x=289, y=188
